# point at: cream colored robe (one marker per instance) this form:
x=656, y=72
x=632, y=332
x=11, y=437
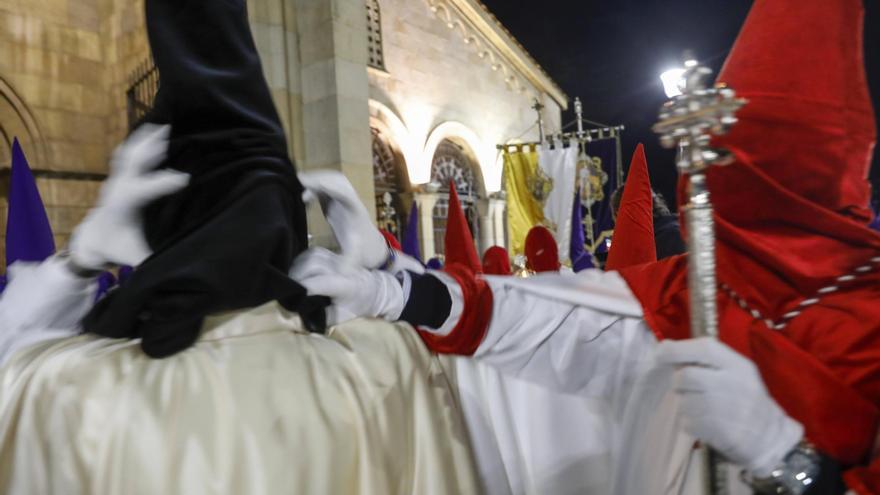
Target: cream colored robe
x=257, y=406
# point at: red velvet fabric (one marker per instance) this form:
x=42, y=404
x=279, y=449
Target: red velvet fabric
x=809, y=122
x=791, y=216
x=463, y=265
x=542, y=254
x=459, y=242
x=823, y=368
x=391, y=240
x=863, y=480
x=496, y=261
x=465, y=337
x=633, y=241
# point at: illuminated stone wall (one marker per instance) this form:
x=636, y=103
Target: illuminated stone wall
x=63, y=70
x=65, y=66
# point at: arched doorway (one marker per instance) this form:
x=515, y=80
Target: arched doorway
x=390, y=183
x=17, y=121
x=453, y=162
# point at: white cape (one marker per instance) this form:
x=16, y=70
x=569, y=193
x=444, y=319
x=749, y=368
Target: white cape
x=257, y=406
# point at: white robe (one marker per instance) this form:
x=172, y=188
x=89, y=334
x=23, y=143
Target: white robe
x=561, y=396
x=584, y=336
x=257, y=406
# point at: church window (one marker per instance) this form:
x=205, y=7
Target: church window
x=388, y=183
x=452, y=164
x=375, y=55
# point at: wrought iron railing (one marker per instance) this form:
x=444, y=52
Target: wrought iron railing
x=143, y=84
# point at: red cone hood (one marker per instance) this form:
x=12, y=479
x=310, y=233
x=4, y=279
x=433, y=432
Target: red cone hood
x=809, y=124
x=796, y=262
x=542, y=255
x=459, y=243
x=391, y=240
x=496, y=261
x=633, y=241
x=794, y=205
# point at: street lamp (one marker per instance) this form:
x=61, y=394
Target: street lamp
x=673, y=82
x=673, y=79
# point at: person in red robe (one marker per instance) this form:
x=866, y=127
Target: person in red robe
x=633, y=241
x=496, y=261
x=542, y=254
x=791, y=392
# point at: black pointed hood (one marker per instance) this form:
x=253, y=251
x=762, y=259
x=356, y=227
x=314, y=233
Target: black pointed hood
x=227, y=241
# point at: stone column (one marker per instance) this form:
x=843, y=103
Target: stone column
x=426, y=202
x=335, y=94
x=497, y=211
x=273, y=24
x=487, y=226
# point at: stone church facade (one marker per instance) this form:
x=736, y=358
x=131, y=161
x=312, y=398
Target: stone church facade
x=400, y=95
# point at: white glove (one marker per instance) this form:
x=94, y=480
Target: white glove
x=112, y=232
x=724, y=403
x=355, y=291
x=42, y=300
x=349, y=219
x=404, y=262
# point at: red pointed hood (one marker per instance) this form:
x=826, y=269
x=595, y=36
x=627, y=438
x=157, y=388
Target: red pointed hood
x=633, y=241
x=794, y=205
x=797, y=265
x=809, y=124
x=459, y=243
x=542, y=253
x=390, y=238
x=496, y=261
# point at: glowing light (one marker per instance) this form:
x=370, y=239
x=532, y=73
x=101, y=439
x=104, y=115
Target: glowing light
x=673, y=82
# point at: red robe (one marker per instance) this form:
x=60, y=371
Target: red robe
x=823, y=366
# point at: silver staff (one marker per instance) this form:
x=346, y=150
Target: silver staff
x=689, y=121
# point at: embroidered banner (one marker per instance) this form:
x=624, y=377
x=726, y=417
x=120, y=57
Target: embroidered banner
x=596, y=188
x=523, y=209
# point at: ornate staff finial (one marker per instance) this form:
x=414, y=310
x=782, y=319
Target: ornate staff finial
x=690, y=119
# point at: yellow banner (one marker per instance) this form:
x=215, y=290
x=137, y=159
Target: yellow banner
x=523, y=211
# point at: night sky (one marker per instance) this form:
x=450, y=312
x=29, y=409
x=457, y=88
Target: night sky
x=610, y=53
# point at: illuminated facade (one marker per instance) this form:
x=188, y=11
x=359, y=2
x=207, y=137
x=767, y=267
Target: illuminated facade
x=394, y=93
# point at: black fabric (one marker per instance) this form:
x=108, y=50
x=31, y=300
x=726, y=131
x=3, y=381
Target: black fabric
x=429, y=302
x=830, y=479
x=828, y=482
x=227, y=241
x=210, y=74
x=667, y=237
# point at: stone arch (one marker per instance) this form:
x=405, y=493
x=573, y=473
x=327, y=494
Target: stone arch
x=386, y=120
x=454, y=162
x=453, y=159
x=483, y=156
x=390, y=180
x=16, y=120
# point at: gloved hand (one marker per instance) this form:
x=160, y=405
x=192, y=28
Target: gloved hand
x=355, y=291
x=349, y=219
x=112, y=232
x=42, y=301
x=724, y=403
x=404, y=262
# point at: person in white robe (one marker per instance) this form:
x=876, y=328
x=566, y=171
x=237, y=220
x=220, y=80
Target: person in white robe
x=257, y=405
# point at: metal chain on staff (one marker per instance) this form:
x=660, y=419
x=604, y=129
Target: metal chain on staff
x=689, y=121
